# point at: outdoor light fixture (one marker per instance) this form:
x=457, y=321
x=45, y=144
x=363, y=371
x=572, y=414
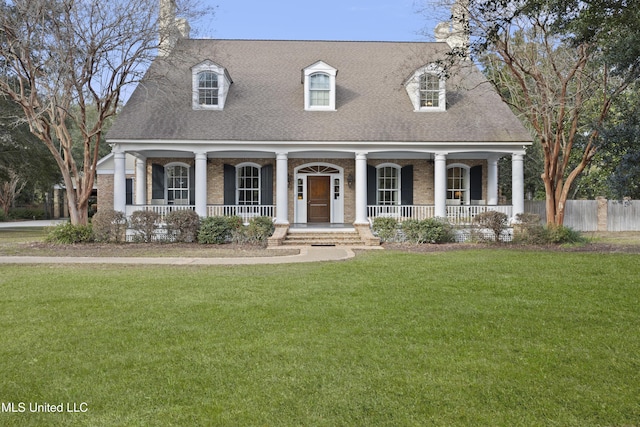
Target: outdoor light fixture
x=350, y=180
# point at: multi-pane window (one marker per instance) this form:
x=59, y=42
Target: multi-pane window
x=388, y=186
x=178, y=184
x=429, y=90
x=248, y=185
x=319, y=90
x=457, y=184
x=207, y=88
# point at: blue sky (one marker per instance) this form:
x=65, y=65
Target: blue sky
x=373, y=20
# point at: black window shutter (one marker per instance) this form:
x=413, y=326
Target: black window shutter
x=266, y=185
x=406, y=185
x=157, y=181
x=229, y=184
x=192, y=185
x=129, y=185
x=475, y=184
x=371, y=185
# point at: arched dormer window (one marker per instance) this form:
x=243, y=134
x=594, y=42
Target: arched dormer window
x=319, y=90
x=319, y=81
x=426, y=89
x=210, y=85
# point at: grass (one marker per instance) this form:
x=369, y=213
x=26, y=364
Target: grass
x=491, y=337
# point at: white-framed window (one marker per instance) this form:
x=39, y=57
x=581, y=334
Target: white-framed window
x=458, y=184
x=429, y=90
x=388, y=184
x=248, y=184
x=426, y=89
x=319, y=81
x=207, y=88
x=319, y=90
x=177, y=183
x=210, y=86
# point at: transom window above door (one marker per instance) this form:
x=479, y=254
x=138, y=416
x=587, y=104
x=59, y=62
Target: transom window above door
x=318, y=169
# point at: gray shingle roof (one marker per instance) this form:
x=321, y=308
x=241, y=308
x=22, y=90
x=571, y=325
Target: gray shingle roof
x=266, y=99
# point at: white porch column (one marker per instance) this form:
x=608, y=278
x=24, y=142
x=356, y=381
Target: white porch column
x=282, y=199
x=517, y=183
x=119, y=182
x=201, y=184
x=361, y=189
x=440, y=184
x=492, y=181
x=141, y=182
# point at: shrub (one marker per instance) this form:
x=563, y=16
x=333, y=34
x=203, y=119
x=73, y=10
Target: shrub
x=26, y=213
x=529, y=230
x=2, y=216
x=109, y=226
x=430, y=230
x=68, y=234
x=218, y=229
x=259, y=229
x=183, y=225
x=385, y=228
x=145, y=224
x=494, y=221
x=561, y=234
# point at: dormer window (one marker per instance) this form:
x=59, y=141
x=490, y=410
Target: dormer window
x=210, y=83
x=207, y=88
x=319, y=81
x=426, y=89
x=319, y=90
x=429, y=90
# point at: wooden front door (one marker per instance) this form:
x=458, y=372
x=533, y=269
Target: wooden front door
x=318, y=199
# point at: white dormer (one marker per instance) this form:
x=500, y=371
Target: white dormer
x=210, y=84
x=319, y=81
x=426, y=89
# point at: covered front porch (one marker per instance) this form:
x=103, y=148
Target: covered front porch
x=297, y=185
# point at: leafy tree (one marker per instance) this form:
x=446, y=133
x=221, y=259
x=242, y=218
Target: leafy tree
x=552, y=61
x=22, y=154
x=66, y=63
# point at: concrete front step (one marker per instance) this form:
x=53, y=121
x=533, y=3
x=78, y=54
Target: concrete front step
x=322, y=238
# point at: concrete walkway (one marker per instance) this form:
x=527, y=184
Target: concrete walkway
x=307, y=254
x=36, y=223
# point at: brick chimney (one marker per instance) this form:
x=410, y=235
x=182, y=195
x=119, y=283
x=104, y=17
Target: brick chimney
x=170, y=28
x=456, y=31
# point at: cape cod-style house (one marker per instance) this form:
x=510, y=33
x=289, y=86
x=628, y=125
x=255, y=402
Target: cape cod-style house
x=312, y=132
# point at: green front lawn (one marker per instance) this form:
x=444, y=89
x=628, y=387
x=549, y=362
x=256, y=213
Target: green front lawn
x=490, y=337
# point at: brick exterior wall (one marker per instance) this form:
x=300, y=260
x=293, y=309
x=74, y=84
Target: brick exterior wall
x=423, y=171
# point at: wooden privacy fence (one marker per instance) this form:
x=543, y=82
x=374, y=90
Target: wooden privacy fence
x=594, y=215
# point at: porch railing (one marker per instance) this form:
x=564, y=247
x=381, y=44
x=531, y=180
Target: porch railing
x=243, y=211
x=162, y=210
x=462, y=214
x=401, y=213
